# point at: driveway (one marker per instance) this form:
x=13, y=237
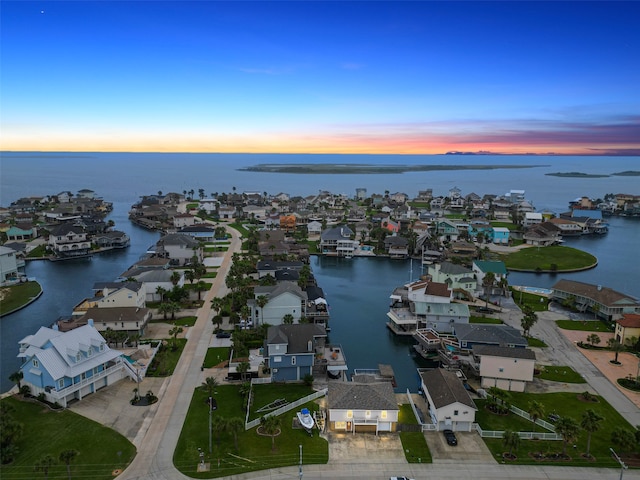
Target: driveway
x=365, y=447
x=470, y=448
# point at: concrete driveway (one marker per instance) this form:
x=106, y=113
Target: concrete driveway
x=470, y=448
x=365, y=447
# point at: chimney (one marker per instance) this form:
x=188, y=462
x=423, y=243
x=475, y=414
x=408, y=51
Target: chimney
x=90, y=322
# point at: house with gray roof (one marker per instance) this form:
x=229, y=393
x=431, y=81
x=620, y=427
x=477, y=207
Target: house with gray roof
x=461, y=280
x=604, y=301
x=291, y=350
x=507, y=368
x=285, y=298
x=362, y=407
x=450, y=405
x=338, y=242
x=471, y=334
x=179, y=248
x=69, y=366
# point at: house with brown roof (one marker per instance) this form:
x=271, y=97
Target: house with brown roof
x=605, y=302
x=628, y=329
x=450, y=405
x=362, y=407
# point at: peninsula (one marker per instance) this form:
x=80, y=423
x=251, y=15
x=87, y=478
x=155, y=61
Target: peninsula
x=362, y=168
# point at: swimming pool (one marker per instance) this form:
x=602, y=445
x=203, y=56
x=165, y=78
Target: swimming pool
x=536, y=290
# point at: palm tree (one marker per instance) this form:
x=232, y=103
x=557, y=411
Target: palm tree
x=615, y=347
x=235, y=425
x=271, y=426
x=535, y=411
x=66, y=457
x=488, y=282
x=511, y=440
x=175, y=278
x=44, y=465
x=174, y=334
x=162, y=292
x=209, y=385
x=590, y=423
x=218, y=425
x=528, y=321
x=568, y=429
x=287, y=319
x=242, y=369
x=262, y=301
x=16, y=377
x=202, y=287
x=217, y=304
x=189, y=275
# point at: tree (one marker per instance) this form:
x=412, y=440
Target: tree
x=623, y=438
x=499, y=399
x=595, y=308
x=262, y=301
x=162, y=292
x=218, y=425
x=615, y=347
x=202, y=286
x=535, y=410
x=209, y=385
x=217, y=304
x=568, y=429
x=593, y=339
x=487, y=282
x=44, y=465
x=10, y=433
x=189, y=275
x=16, y=377
x=511, y=440
x=174, y=334
x=271, y=426
x=66, y=457
x=235, y=425
x=164, y=309
x=287, y=319
x=243, y=369
x=528, y=321
x=590, y=423
x=175, y=278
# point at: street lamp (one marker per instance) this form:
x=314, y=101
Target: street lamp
x=623, y=467
x=300, y=466
x=210, y=404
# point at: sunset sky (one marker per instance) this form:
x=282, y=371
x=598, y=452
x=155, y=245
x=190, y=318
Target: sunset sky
x=321, y=77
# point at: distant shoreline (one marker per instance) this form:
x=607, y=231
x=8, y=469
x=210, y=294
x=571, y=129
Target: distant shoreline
x=365, y=168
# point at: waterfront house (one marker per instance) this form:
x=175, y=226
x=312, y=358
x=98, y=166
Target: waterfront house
x=628, y=329
x=22, y=231
x=543, y=234
x=314, y=228
x=131, y=320
x=459, y=279
x=8, y=265
x=568, y=228
x=445, y=230
x=338, y=242
x=112, y=239
x=396, y=246
x=152, y=278
x=115, y=294
x=285, y=298
x=450, y=405
x=604, y=302
x=69, y=241
x=362, y=407
x=69, y=366
x=469, y=335
x=268, y=267
x=507, y=368
x=501, y=235
x=180, y=249
x=480, y=269
x=182, y=220
x=200, y=232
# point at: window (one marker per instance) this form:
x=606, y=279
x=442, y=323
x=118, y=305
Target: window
x=90, y=351
x=78, y=357
x=383, y=414
x=35, y=363
x=293, y=360
x=340, y=425
x=501, y=370
x=61, y=384
x=367, y=413
x=455, y=412
x=277, y=359
x=349, y=413
x=102, y=347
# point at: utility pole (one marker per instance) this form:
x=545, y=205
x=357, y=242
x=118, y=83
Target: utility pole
x=623, y=467
x=300, y=466
x=210, y=404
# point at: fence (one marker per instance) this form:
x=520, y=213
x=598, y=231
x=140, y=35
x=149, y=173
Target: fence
x=284, y=409
x=539, y=421
x=522, y=435
x=425, y=427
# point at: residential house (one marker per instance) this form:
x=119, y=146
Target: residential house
x=362, y=407
x=480, y=269
x=132, y=320
x=314, y=228
x=450, y=405
x=285, y=298
x=227, y=212
x=268, y=267
x=531, y=219
x=288, y=223
x=337, y=242
x=182, y=220
x=209, y=205
x=459, y=279
x=154, y=278
x=200, y=232
x=396, y=246
x=68, y=241
x=445, y=230
x=112, y=239
x=87, y=194
x=21, y=232
x=628, y=329
x=603, y=301
x=254, y=212
x=114, y=294
x=179, y=248
x=361, y=194
x=542, y=234
x=399, y=197
x=505, y=367
x=472, y=334
x=501, y=235
x=8, y=265
x=69, y=366
x=568, y=228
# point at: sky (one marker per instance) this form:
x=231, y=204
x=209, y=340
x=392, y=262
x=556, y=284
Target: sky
x=415, y=77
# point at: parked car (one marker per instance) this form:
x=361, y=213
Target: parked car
x=400, y=478
x=223, y=335
x=450, y=437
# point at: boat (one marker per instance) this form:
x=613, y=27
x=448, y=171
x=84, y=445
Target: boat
x=305, y=418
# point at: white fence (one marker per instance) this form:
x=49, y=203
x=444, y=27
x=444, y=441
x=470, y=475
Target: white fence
x=539, y=421
x=426, y=427
x=284, y=409
x=522, y=435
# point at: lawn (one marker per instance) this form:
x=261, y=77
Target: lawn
x=210, y=275
x=536, y=342
x=179, y=322
x=166, y=359
x=215, y=356
x=552, y=259
x=584, y=326
x=560, y=374
x=38, y=252
x=539, y=303
x=413, y=443
x=494, y=321
x=254, y=451
x=100, y=449
x=18, y=295
x=221, y=248
x=563, y=404
x=267, y=393
x=509, y=225
x=240, y=228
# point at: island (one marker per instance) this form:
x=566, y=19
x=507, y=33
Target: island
x=365, y=168
x=577, y=175
x=627, y=173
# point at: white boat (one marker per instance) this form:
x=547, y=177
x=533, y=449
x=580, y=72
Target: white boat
x=305, y=418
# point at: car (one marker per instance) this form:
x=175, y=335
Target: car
x=223, y=335
x=450, y=437
x=400, y=478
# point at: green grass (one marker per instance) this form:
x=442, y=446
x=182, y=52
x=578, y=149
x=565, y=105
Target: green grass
x=535, y=342
x=588, y=326
x=561, y=374
x=210, y=275
x=267, y=393
x=419, y=204
x=18, y=295
x=544, y=259
x=530, y=299
x=254, y=451
x=220, y=248
x=179, y=322
x=46, y=432
x=493, y=321
x=38, y=252
x=215, y=356
x=413, y=443
x=312, y=246
x=564, y=404
x=244, y=232
x=509, y=225
x=165, y=361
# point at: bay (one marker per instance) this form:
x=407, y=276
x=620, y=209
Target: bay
x=358, y=290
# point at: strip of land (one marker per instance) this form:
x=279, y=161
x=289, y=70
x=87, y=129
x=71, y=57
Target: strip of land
x=365, y=168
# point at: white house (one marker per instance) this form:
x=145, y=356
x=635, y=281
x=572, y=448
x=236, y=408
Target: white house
x=8, y=264
x=362, y=407
x=450, y=406
x=286, y=298
x=505, y=367
x=179, y=248
x=531, y=219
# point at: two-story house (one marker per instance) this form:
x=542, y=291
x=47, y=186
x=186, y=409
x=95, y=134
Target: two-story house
x=507, y=368
x=68, y=241
x=338, y=242
x=285, y=298
x=603, y=301
x=179, y=248
x=450, y=405
x=291, y=350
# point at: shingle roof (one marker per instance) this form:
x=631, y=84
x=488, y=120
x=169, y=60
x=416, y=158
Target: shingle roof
x=296, y=336
x=501, y=335
x=361, y=396
x=509, y=352
x=453, y=269
x=445, y=388
x=603, y=295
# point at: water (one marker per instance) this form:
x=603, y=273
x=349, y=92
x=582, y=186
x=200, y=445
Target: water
x=358, y=289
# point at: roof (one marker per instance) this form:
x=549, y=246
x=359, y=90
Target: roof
x=115, y=314
x=501, y=335
x=295, y=336
x=179, y=239
x=279, y=289
x=438, y=289
x=268, y=265
x=508, y=352
x=361, y=396
x=337, y=233
x=487, y=266
x=445, y=388
x=114, y=286
x=442, y=309
x=314, y=292
x=453, y=269
x=629, y=320
x=602, y=295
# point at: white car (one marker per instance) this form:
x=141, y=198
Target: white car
x=400, y=478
